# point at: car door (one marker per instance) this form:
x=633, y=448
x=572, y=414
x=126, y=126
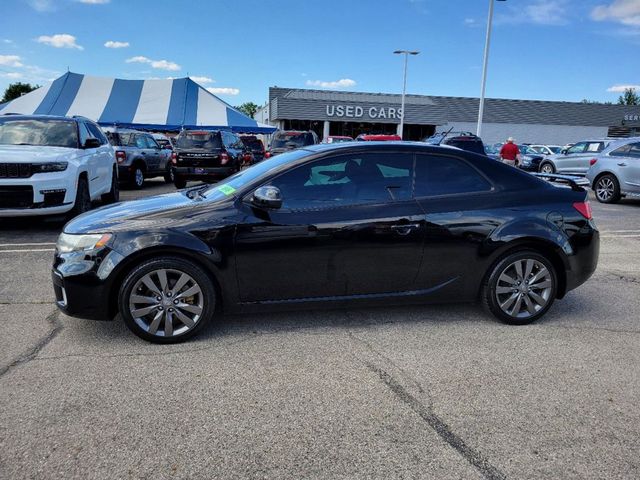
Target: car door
x=453, y=195
x=104, y=157
x=348, y=226
x=153, y=154
x=627, y=166
x=90, y=161
x=569, y=161
x=580, y=163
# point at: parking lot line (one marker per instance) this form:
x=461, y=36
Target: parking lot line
x=25, y=244
x=28, y=250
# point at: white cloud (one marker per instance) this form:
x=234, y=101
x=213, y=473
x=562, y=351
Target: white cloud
x=94, y=2
x=198, y=79
x=115, y=44
x=159, y=64
x=7, y=41
x=626, y=12
x=59, y=40
x=622, y=88
x=10, y=61
x=470, y=21
x=223, y=90
x=12, y=75
x=537, y=12
x=41, y=5
x=342, y=83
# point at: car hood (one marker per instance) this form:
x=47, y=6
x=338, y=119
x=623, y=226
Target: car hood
x=32, y=153
x=170, y=210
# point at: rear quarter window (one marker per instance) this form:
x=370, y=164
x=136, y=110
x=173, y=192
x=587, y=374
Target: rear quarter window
x=443, y=175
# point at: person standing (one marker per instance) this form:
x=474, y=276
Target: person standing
x=509, y=153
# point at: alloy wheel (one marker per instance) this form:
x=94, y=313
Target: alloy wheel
x=166, y=302
x=547, y=168
x=605, y=189
x=139, y=177
x=524, y=288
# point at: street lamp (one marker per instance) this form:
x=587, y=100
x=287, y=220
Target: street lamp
x=484, y=67
x=406, y=54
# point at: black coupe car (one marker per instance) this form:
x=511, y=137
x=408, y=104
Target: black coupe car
x=352, y=223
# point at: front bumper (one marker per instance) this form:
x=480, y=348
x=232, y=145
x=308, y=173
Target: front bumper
x=43, y=193
x=82, y=283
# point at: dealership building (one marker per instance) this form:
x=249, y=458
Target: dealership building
x=528, y=121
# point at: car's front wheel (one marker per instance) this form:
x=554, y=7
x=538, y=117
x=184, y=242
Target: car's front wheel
x=520, y=288
x=113, y=195
x=167, y=300
x=179, y=182
x=547, y=168
x=83, y=199
x=607, y=189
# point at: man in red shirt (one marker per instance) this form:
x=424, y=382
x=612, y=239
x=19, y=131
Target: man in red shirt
x=509, y=153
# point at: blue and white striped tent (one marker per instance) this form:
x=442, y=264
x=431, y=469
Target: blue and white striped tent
x=166, y=105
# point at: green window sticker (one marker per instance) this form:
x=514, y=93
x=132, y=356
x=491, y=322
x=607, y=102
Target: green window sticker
x=226, y=189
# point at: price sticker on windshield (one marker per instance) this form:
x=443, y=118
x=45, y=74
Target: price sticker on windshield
x=226, y=189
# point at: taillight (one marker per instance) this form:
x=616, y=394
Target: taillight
x=267, y=154
x=224, y=158
x=121, y=156
x=247, y=157
x=593, y=161
x=584, y=208
x=174, y=158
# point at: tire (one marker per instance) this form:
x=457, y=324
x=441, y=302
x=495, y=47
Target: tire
x=547, y=167
x=179, y=182
x=607, y=189
x=520, y=303
x=137, y=177
x=83, y=199
x=169, y=176
x=165, y=320
x=113, y=195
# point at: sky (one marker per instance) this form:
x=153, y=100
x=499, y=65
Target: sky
x=540, y=49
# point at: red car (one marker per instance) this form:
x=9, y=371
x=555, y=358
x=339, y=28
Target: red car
x=364, y=137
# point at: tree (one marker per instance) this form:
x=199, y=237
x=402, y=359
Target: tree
x=248, y=108
x=629, y=97
x=16, y=90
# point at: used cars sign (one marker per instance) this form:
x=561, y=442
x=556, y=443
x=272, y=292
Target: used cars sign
x=352, y=111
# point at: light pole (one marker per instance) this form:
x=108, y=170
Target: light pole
x=484, y=67
x=406, y=54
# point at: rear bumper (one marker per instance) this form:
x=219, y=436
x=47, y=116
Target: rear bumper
x=204, y=172
x=584, y=261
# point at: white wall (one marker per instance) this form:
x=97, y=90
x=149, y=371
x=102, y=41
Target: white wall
x=528, y=133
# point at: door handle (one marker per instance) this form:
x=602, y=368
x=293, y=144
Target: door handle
x=622, y=164
x=404, y=229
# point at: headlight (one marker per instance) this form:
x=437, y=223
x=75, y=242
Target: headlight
x=49, y=167
x=75, y=243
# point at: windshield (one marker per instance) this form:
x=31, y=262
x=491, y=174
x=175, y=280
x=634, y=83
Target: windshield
x=289, y=139
x=40, y=132
x=245, y=177
x=204, y=140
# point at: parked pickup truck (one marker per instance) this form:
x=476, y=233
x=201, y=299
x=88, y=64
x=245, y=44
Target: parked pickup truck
x=207, y=155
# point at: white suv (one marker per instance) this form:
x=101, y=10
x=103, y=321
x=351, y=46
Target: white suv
x=53, y=165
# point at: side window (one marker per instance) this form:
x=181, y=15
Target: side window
x=226, y=141
x=441, y=175
x=97, y=133
x=577, y=148
x=634, y=151
x=140, y=142
x=622, y=151
x=151, y=143
x=347, y=180
x=84, y=133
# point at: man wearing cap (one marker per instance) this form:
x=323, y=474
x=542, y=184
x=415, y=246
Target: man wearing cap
x=509, y=153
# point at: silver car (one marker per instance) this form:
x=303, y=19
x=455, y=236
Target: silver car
x=575, y=159
x=615, y=172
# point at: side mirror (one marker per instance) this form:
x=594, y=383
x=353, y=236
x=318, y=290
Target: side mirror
x=564, y=151
x=91, y=143
x=267, y=197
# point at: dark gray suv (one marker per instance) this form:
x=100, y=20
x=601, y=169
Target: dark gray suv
x=139, y=156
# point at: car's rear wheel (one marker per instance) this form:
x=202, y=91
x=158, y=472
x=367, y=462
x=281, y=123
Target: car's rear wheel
x=520, y=288
x=547, y=168
x=168, y=175
x=167, y=300
x=137, y=177
x=113, y=195
x=83, y=199
x=607, y=189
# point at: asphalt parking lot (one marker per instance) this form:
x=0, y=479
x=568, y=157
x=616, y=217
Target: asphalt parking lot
x=413, y=392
